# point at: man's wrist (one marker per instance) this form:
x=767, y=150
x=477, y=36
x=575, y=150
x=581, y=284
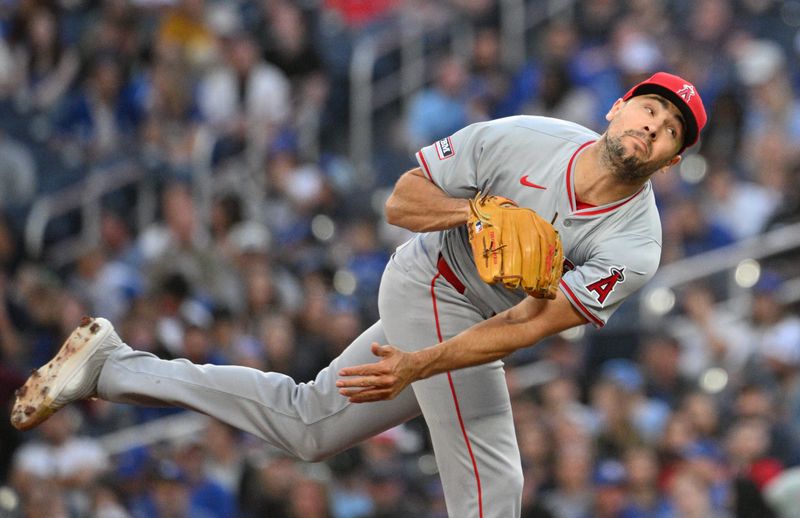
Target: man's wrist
x=423, y=363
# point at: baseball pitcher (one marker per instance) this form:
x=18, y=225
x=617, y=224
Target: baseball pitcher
x=501, y=209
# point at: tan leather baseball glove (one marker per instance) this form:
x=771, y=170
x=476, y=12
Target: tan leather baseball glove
x=515, y=246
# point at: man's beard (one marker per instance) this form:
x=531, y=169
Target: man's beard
x=627, y=168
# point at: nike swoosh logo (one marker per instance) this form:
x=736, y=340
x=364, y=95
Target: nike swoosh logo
x=524, y=181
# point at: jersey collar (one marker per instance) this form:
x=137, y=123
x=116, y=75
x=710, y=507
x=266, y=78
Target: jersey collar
x=592, y=211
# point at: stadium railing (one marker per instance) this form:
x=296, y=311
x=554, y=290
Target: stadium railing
x=738, y=265
x=85, y=198
x=370, y=94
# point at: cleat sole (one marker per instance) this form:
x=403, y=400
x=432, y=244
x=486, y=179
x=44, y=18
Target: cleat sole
x=36, y=400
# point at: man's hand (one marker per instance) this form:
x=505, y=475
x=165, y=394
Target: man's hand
x=378, y=381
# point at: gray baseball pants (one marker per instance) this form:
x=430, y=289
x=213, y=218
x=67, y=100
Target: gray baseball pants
x=468, y=411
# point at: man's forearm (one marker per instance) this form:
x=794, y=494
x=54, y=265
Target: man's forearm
x=486, y=342
x=419, y=205
x=523, y=325
x=497, y=337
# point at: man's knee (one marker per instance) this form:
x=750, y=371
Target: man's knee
x=311, y=449
x=513, y=480
x=508, y=483
x=312, y=455
x=503, y=494
x=500, y=496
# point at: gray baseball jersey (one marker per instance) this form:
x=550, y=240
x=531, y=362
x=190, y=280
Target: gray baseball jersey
x=610, y=251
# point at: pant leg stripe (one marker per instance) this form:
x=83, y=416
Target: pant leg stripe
x=455, y=400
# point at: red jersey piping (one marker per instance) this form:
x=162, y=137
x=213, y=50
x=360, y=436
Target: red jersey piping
x=425, y=167
x=570, y=193
x=577, y=211
x=579, y=305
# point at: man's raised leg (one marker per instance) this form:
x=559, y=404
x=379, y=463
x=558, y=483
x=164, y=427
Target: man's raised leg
x=309, y=420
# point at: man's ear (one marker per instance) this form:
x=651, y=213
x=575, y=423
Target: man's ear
x=614, y=109
x=675, y=161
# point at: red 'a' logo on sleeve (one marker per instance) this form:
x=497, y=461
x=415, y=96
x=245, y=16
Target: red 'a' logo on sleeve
x=605, y=286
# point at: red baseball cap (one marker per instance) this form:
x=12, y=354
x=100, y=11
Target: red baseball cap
x=683, y=95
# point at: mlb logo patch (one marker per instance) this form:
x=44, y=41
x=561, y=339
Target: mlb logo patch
x=444, y=148
x=478, y=226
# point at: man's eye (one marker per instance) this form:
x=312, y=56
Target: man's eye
x=649, y=110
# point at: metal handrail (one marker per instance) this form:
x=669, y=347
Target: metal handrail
x=367, y=95
x=362, y=62
x=512, y=32
x=169, y=428
x=716, y=261
x=85, y=196
x=725, y=259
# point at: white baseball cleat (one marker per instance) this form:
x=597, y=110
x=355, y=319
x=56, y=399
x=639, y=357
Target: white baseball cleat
x=70, y=376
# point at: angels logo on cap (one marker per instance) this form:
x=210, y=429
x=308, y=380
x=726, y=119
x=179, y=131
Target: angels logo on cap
x=686, y=92
x=683, y=95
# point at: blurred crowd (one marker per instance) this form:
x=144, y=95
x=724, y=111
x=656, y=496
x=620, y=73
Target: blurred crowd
x=276, y=266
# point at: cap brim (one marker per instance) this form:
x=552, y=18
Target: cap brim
x=690, y=125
